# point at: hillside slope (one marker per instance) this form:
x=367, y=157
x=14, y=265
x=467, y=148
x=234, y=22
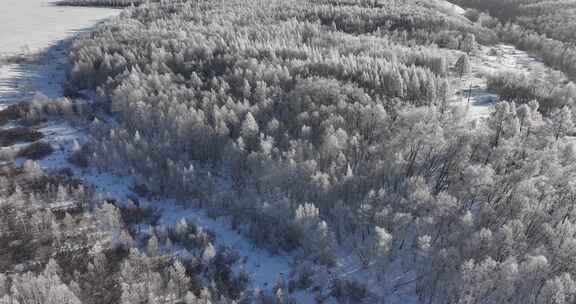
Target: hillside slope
x=306, y=151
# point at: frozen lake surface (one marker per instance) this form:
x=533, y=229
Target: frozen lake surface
x=39, y=27
x=30, y=25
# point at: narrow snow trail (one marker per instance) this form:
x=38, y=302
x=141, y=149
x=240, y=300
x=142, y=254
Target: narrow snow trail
x=36, y=26
x=263, y=267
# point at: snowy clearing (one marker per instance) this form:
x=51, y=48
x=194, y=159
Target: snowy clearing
x=448, y=7
x=471, y=91
x=472, y=95
x=39, y=29
x=44, y=76
x=32, y=25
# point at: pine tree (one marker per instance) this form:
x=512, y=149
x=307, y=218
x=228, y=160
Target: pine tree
x=209, y=253
x=397, y=86
x=179, y=279
x=562, y=122
x=383, y=241
x=249, y=131
x=152, y=247
x=463, y=66
x=468, y=43
x=444, y=92
x=249, y=126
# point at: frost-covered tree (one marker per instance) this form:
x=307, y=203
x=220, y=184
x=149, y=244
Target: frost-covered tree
x=463, y=66
x=336, y=114
x=561, y=122
x=468, y=44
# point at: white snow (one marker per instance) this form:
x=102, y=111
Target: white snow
x=448, y=7
x=485, y=61
x=263, y=267
x=44, y=75
x=472, y=96
x=31, y=25
x=38, y=27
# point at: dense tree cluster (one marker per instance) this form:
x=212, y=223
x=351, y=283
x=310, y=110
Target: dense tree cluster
x=104, y=3
x=544, y=28
x=62, y=243
x=555, y=19
x=318, y=125
x=551, y=92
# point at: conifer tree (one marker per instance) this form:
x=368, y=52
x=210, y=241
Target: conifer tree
x=462, y=66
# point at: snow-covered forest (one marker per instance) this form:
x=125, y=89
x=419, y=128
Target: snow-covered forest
x=545, y=28
x=297, y=151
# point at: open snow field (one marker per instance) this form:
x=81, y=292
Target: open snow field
x=485, y=61
x=43, y=75
x=447, y=7
x=31, y=27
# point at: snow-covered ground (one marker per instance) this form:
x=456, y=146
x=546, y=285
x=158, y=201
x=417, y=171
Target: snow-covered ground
x=447, y=7
x=31, y=27
x=42, y=75
x=471, y=91
x=263, y=267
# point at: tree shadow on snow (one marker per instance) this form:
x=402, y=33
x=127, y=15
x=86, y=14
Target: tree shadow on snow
x=42, y=75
